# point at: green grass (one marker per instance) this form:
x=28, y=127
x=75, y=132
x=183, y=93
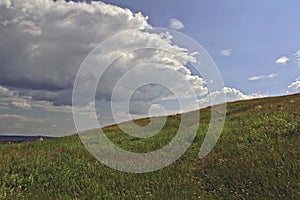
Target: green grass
x=256, y=157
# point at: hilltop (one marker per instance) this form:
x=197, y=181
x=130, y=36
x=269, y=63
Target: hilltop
x=256, y=157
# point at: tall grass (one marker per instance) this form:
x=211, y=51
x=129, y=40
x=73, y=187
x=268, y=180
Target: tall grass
x=256, y=157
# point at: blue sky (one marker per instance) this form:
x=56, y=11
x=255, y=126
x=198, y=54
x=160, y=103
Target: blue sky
x=257, y=32
x=255, y=45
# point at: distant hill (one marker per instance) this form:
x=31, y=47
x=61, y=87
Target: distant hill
x=256, y=157
x=19, y=138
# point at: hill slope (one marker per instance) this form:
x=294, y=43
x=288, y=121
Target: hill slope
x=256, y=157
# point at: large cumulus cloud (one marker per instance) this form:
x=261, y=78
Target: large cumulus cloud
x=43, y=42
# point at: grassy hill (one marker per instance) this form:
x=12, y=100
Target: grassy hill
x=256, y=157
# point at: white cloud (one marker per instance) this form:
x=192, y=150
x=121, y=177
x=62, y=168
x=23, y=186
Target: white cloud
x=20, y=118
x=254, y=78
x=12, y=116
x=3, y=106
x=5, y=92
x=232, y=94
x=6, y=3
x=21, y=104
x=49, y=107
x=15, y=99
x=272, y=75
x=19, y=124
x=10, y=98
x=294, y=87
x=139, y=67
x=297, y=54
x=176, y=24
x=226, y=52
x=282, y=60
x=261, y=77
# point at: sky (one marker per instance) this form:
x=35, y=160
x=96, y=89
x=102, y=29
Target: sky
x=254, y=44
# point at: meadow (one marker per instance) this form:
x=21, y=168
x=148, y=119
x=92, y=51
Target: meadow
x=256, y=157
